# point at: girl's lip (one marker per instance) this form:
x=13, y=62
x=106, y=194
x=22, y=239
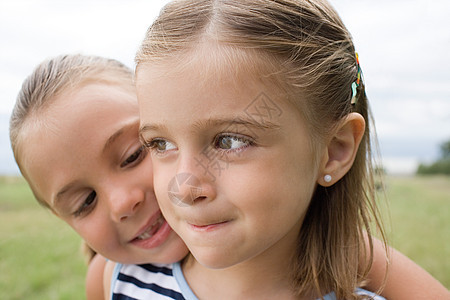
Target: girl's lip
x=157, y=236
x=151, y=222
x=209, y=226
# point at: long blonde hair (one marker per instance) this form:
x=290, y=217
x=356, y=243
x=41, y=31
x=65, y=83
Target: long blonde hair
x=316, y=59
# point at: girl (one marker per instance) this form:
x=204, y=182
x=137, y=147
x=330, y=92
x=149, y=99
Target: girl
x=74, y=133
x=75, y=125
x=257, y=119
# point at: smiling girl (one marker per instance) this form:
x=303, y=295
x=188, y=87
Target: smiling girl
x=257, y=119
x=74, y=133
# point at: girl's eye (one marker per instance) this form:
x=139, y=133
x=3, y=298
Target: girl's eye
x=87, y=205
x=136, y=157
x=231, y=142
x=160, y=145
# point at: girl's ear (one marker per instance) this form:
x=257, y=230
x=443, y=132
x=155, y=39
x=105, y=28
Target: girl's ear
x=340, y=152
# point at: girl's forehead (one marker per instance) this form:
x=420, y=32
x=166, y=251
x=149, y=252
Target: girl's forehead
x=210, y=65
x=213, y=60
x=70, y=110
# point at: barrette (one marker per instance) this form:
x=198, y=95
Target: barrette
x=356, y=83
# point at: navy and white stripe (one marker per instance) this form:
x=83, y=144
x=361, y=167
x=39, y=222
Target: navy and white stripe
x=164, y=282
x=149, y=281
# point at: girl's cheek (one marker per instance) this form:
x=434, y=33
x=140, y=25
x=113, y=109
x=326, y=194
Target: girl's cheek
x=162, y=177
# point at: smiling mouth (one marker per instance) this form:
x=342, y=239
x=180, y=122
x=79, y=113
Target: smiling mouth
x=209, y=226
x=152, y=229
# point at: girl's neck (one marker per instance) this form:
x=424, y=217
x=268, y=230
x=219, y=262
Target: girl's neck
x=265, y=276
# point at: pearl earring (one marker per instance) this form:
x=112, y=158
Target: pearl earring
x=327, y=178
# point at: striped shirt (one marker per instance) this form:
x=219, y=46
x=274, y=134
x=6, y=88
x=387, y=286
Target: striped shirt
x=164, y=282
x=150, y=281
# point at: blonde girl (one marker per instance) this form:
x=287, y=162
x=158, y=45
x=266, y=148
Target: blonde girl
x=258, y=123
x=75, y=124
x=74, y=133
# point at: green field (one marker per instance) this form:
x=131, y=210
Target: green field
x=420, y=221
x=40, y=255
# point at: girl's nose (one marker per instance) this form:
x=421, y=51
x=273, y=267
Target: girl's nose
x=191, y=184
x=124, y=204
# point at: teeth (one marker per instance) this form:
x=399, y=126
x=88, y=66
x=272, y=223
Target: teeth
x=144, y=236
x=149, y=232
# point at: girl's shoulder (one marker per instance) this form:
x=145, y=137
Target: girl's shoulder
x=94, y=278
x=108, y=278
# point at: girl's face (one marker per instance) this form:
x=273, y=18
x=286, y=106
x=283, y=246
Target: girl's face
x=234, y=165
x=84, y=158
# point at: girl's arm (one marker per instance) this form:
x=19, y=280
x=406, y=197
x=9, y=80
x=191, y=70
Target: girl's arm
x=94, y=278
x=405, y=279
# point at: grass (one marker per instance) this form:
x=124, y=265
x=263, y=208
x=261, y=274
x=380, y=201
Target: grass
x=420, y=221
x=40, y=256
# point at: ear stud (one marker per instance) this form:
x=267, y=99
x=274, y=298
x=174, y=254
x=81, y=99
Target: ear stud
x=327, y=178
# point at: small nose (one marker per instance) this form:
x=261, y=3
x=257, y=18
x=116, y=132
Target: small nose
x=192, y=183
x=184, y=189
x=124, y=204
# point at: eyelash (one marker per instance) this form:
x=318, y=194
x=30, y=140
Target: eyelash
x=136, y=157
x=239, y=138
x=89, y=203
x=154, y=144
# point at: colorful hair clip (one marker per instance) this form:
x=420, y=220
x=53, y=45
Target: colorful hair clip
x=356, y=83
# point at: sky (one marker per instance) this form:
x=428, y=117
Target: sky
x=403, y=46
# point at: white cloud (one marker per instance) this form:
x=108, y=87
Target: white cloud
x=32, y=31
x=403, y=47
x=400, y=165
x=414, y=118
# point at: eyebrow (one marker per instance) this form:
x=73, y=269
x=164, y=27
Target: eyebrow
x=247, y=122
x=147, y=128
x=59, y=196
x=113, y=138
x=151, y=127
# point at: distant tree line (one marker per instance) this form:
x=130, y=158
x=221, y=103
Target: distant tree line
x=440, y=166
